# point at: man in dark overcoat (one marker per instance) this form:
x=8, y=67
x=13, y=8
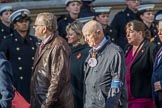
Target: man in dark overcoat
x=20, y=50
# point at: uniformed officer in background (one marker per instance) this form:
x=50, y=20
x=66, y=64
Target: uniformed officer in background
x=102, y=16
x=20, y=50
x=158, y=38
x=122, y=18
x=73, y=8
x=147, y=15
x=5, y=27
x=86, y=8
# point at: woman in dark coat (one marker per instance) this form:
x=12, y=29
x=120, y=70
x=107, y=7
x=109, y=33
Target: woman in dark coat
x=139, y=61
x=80, y=51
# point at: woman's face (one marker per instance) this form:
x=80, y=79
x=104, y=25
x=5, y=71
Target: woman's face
x=131, y=35
x=72, y=37
x=148, y=17
x=103, y=19
x=73, y=8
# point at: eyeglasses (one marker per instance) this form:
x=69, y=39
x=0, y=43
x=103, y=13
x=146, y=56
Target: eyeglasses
x=34, y=26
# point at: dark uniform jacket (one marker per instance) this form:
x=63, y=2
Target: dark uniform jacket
x=20, y=52
x=78, y=56
x=112, y=33
x=5, y=31
x=110, y=67
x=157, y=41
x=141, y=70
x=62, y=23
x=50, y=83
x=6, y=82
x=119, y=22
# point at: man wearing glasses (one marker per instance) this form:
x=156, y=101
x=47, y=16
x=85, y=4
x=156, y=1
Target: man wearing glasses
x=50, y=83
x=20, y=50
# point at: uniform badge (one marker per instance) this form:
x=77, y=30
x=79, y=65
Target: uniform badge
x=92, y=62
x=22, y=13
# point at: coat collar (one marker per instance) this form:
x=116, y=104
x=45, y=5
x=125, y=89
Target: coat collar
x=47, y=46
x=19, y=38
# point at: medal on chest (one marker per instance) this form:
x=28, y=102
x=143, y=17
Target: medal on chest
x=92, y=62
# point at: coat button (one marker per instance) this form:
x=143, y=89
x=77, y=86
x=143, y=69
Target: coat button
x=2, y=30
x=19, y=58
x=20, y=68
x=4, y=37
x=17, y=48
x=158, y=43
x=21, y=78
x=33, y=48
x=32, y=67
x=32, y=58
x=16, y=40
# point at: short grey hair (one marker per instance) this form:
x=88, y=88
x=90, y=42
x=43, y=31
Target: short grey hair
x=49, y=20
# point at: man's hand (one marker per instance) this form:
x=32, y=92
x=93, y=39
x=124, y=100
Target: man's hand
x=157, y=86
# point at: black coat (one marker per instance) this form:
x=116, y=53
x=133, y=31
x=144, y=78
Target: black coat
x=78, y=56
x=62, y=23
x=110, y=32
x=119, y=22
x=20, y=52
x=5, y=31
x=141, y=70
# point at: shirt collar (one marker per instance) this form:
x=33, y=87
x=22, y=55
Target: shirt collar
x=45, y=41
x=102, y=43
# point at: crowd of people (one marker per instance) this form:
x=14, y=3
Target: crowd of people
x=79, y=61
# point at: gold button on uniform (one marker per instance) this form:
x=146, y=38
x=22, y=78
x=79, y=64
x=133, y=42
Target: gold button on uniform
x=20, y=68
x=17, y=48
x=158, y=43
x=19, y=58
x=21, y=78
x=33, y=48
x=16, y=40
x=128, y=14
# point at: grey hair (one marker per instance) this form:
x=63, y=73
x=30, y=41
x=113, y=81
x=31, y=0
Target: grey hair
x=49, y=20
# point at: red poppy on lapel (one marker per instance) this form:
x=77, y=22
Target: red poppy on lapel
x=78, y=56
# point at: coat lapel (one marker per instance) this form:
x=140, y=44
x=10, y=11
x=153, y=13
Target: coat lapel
x=39, y=56
x=140, y=53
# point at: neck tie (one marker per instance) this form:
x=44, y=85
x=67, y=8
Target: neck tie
x=41, y=47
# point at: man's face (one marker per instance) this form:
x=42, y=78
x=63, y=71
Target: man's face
x=89, y=37
x=5, y=15
x=132, y=4
x=39, y=28
x=73, y=8
x=22, y=25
